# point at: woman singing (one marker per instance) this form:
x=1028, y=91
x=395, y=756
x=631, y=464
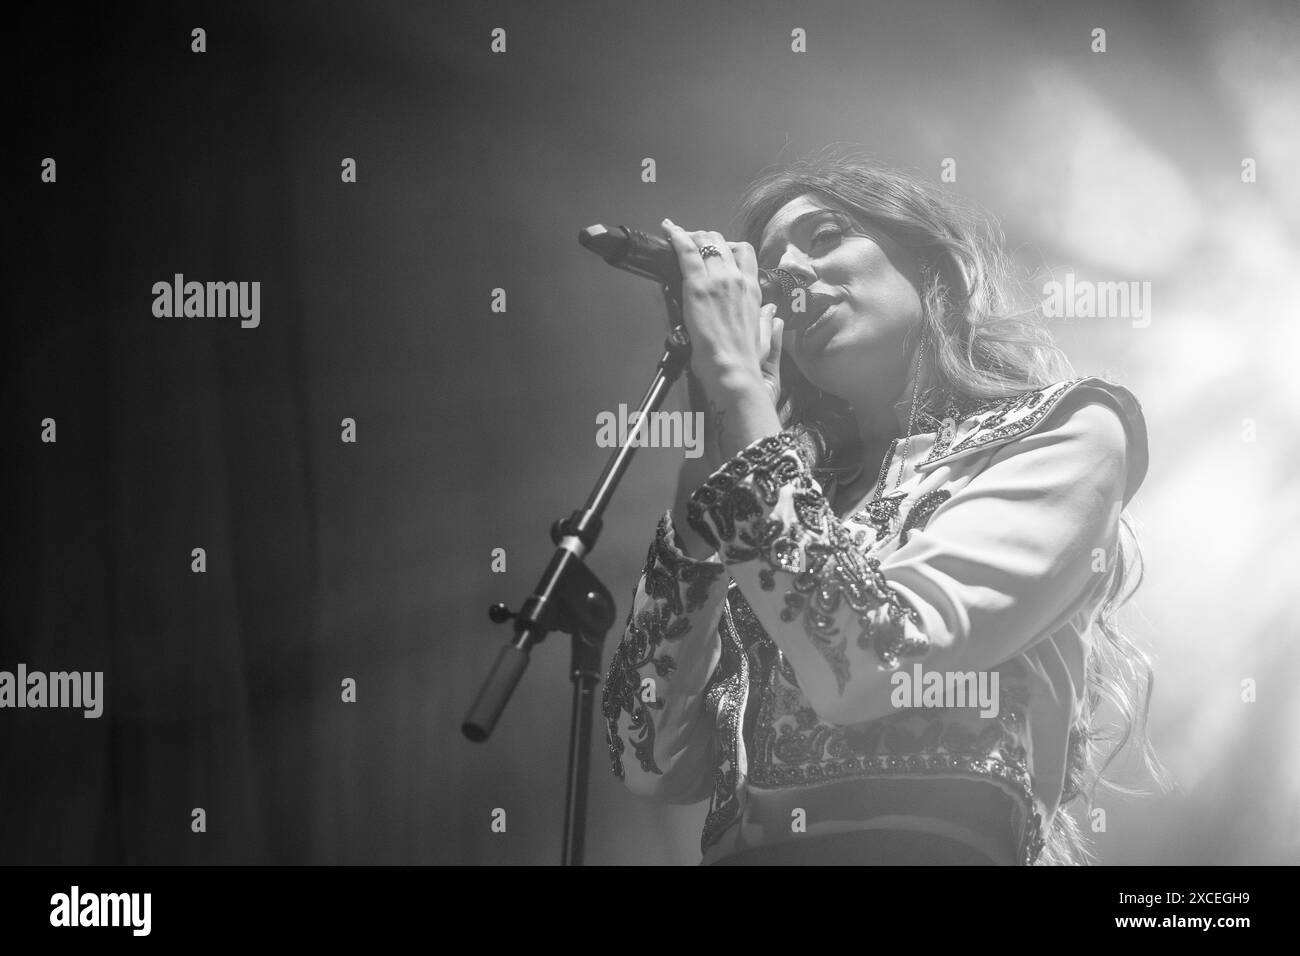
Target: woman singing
x=877, y=624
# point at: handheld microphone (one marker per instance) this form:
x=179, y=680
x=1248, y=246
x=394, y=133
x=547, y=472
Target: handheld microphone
x=655, y=258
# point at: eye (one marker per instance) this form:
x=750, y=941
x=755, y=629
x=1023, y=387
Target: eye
x=826, y=233
x=834, y=228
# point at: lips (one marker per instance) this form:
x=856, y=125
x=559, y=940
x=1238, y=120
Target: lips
x=817, y=306
x=817, y=320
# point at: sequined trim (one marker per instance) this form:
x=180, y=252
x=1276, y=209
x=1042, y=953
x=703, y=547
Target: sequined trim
x=793, y=747
x=881, y=514
x=827, y=565
x=919, y=514
x=666, y=568
x=726, y=698
x=769, y=463
x=999, y=419
x=809, y=751
x=662, y=619
x=917, y=763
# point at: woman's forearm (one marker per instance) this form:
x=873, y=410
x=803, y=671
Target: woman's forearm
x=740, y=411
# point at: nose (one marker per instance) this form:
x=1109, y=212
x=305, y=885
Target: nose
x=797, y=264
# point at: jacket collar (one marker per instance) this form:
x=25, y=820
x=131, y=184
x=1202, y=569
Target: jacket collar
x=973, y=426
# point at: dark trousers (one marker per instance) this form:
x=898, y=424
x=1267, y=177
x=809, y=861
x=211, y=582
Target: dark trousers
x=864, y=848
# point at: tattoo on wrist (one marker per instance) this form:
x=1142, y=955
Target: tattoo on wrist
x=716, y=416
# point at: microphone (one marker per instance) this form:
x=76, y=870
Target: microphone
x=655, y=258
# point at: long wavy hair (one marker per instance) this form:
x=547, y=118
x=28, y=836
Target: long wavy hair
x=985, y=340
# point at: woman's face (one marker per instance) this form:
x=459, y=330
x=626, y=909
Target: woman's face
x=858, y=347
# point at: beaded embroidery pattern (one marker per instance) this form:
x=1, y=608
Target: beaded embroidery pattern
x=790, y=747
x=726, y=698
x=809, y=751
x=1010, y=418
x=663, y=620
x=829, y=569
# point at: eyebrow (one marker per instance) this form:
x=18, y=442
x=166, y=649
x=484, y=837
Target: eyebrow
x=802, y=217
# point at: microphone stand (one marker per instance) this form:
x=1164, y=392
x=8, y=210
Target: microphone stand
x=570, y=598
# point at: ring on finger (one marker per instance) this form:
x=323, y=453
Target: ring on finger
x=710, y=250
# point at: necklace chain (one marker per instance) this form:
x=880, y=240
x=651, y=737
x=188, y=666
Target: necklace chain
x=907, y=441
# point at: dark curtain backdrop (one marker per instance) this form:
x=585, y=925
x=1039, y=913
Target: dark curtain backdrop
x=372, y=560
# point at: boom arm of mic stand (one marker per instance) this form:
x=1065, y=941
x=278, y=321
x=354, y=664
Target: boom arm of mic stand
x=569, y=597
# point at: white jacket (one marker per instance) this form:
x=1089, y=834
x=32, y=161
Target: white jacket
x=763, y=677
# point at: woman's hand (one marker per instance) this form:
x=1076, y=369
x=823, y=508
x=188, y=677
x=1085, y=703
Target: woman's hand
x=734, y=341
x=771, y=364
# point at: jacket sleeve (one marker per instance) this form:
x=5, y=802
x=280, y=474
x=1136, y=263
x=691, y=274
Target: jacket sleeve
x=1002, y=561
x=655, y=693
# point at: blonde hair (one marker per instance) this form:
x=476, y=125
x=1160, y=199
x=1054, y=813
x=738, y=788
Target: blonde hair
x=984, y=340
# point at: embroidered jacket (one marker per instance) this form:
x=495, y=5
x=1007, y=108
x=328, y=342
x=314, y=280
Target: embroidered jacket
x=763, y=677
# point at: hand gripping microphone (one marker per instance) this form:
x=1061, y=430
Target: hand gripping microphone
x=655, y=258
